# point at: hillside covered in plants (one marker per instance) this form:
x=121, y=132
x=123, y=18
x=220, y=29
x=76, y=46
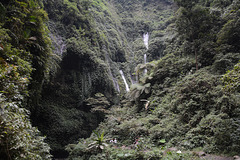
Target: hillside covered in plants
x=119, y=79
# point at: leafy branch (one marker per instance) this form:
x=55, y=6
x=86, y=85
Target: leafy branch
x=98, y=143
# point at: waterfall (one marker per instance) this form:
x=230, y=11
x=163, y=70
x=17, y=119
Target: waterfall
x=145, y=58
x=124, y=80
x=145, y=39
x=144, y=62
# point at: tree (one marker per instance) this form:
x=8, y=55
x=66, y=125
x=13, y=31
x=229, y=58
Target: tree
x=232, y=79
x=230, y=32
x=193, y=23
x=188, y=4
x=23, y=42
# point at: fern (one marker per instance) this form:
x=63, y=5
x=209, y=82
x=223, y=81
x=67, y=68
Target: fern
x=137, y=90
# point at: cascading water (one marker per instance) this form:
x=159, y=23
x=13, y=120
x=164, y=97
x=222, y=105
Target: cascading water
x=145, y=39
x=124, y=80
x=145, y=61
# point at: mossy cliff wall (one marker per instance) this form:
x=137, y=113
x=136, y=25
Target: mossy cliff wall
x=98, y=38
x=183, y=101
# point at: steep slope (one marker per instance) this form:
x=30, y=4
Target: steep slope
x=95, y=40
x=181, y=102
x=24, y=53
x=62, y=114
x=100, y=48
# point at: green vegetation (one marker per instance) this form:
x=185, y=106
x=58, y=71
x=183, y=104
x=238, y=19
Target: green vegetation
x=66, y=110
x=187, y=104
x=99, y=143
x=231, y=79
x=61, y=70
x=98, y=45
x=24, y=52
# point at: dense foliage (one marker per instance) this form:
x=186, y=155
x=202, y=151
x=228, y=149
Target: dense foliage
x=24, y=52
x=66, y=75
x=63, y=113
x=94, y=39
x=231, y=79
x=191, y=105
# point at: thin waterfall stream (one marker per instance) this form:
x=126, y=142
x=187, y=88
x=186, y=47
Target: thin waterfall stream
x=145, y=40
x=124, y=80
x=145, y=61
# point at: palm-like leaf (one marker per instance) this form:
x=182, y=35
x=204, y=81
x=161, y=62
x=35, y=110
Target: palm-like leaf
x=98, y=142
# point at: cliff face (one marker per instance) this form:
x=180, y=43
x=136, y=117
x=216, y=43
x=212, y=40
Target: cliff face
x=174, y=57
x=103, y=47
x=182, y=101
x=93, y=41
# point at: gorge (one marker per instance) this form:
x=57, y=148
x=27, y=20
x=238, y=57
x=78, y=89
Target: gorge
x=148, y=75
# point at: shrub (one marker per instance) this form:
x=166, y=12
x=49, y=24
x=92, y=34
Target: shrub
x=19, y=140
